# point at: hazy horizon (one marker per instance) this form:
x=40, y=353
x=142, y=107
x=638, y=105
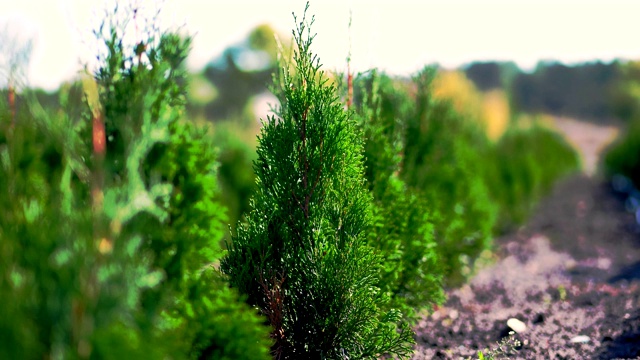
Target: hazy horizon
x=398, y=37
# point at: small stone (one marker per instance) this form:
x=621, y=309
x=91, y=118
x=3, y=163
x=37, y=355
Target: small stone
x=453, y=314
x=516, y=325
x=604, y=263
x=580, y=339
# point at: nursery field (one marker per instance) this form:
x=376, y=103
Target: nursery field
x=367, y=216
x=571, y=275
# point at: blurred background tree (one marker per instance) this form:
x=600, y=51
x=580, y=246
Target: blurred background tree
x=245, y=69
x=126, y=193
x=444, y=159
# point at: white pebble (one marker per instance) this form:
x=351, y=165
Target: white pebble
x=604, y=263
x=516, y=325
x=580, y=339
x=453, y=314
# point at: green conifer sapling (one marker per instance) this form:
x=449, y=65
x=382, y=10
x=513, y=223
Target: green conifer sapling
x=302, y=257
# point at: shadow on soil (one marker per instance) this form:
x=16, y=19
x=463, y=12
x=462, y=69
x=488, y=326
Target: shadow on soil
x=629, y=273
x=626, y=345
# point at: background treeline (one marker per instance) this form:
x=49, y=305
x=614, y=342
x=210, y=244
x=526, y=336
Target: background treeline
x=605, y=93
x=589, y=91
x=351, y=207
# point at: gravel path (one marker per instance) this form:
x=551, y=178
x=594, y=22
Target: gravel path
x=571, y=276
x=589, y=139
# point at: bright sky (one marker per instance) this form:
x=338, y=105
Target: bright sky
x=399, y=36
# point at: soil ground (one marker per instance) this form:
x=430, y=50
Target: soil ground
x=571, y=276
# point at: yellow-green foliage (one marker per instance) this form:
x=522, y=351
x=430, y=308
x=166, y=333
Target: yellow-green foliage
x=454, y=86
x=495, y=113
x=490, y=109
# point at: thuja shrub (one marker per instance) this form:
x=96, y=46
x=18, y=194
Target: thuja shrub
x=401, y=228
x=60, y=277
x=444, y=159
x=302, y=257
x=623, y=156
x=142, y=87
x=528, y=161
x=126, y=195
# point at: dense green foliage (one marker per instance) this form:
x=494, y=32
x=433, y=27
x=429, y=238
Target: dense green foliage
x=105, y=243
x=302, y=257
x=623, y=157
x=461, y=187
x=28, y=272
x=528, y=161
x=401, y=229
x=111, y=240
x=444, y=159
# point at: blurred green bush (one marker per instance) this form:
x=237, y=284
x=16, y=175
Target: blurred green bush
x=527, y=161
x=113, y=255
x=467, y=187
x=623, y=156
x=138, y=275
x=401, y=229
x=445, y=159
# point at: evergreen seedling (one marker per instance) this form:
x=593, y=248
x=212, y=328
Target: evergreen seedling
x=302, y=257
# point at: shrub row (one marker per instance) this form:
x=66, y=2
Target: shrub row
x=358, y=217
x=470, y=188
x=527, y=161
